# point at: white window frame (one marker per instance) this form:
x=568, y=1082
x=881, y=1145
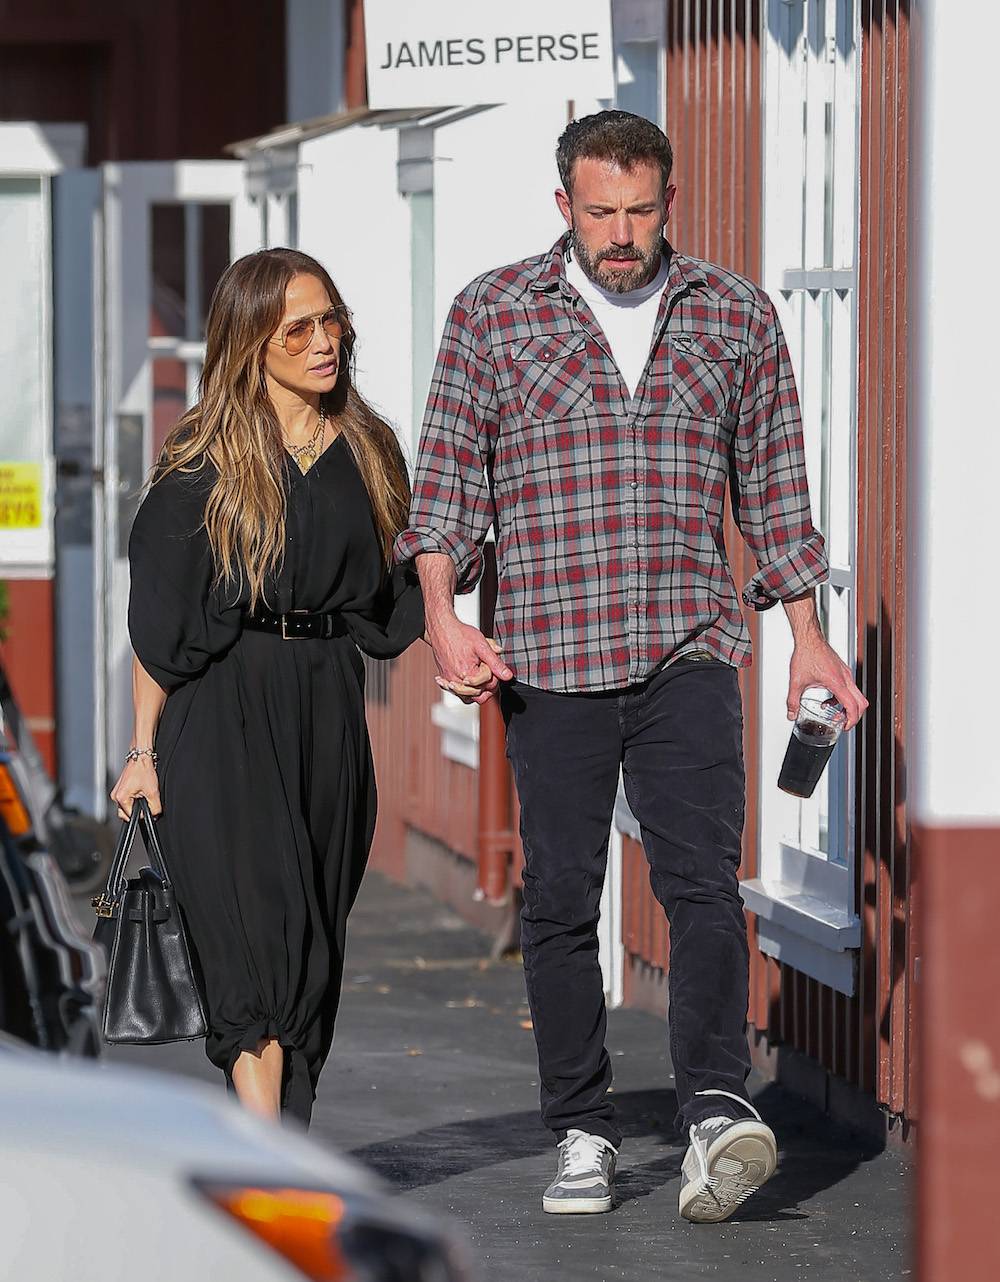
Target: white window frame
x=804, y=894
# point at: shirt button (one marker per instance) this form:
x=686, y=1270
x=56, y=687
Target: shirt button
x=635, y=485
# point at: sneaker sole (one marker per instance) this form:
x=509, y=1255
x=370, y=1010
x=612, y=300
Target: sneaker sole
x=576, y=1205
x=736, y=1171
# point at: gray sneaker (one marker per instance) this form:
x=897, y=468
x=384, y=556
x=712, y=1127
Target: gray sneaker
x=585, y=1179
x=726, y=1162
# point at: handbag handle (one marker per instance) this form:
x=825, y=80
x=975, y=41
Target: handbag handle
x=141, y=817
x=152, y=839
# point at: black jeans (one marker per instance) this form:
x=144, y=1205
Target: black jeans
x=678, y=741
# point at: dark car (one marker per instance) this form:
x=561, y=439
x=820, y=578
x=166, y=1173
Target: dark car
x=51, y=975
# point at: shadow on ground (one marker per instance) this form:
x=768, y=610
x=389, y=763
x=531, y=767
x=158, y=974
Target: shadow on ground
x=439, y=1153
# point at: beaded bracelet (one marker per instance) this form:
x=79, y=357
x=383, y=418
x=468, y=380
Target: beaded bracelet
x=134, y=754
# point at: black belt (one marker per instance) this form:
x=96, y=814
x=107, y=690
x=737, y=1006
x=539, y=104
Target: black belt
x=297, y=625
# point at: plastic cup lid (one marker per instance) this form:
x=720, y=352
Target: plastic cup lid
x=818, y=700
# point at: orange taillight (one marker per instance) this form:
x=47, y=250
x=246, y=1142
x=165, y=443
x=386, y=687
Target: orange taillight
x=300, y=1224
x=12, y=809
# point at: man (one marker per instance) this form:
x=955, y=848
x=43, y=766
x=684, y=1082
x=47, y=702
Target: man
x=593, y=404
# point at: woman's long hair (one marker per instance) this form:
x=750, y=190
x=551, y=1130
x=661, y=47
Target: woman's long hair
x=234, y=424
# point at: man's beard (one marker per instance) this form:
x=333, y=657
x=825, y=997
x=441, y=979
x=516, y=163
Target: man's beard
x=620, y=282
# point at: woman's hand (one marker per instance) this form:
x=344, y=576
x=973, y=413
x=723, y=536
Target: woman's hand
x=138, y=779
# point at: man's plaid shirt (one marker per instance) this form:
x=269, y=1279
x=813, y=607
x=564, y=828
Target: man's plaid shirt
x=608, y=512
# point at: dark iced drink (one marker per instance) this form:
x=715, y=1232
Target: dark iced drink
x=810, y=746
x=808, y=751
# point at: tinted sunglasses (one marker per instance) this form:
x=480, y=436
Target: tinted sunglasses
x=297, y=335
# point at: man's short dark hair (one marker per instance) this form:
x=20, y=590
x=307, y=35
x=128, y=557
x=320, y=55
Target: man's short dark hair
x=618, y=136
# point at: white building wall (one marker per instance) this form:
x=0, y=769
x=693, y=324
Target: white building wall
x=353, y=219
x=955, y=608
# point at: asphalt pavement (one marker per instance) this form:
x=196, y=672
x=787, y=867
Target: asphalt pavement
x=433, y=1083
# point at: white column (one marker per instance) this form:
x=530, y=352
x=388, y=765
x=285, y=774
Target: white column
x=953, y=594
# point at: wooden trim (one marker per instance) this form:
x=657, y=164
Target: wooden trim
x=355, y=68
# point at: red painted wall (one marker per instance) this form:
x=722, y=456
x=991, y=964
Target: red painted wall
x=27, y=658
x=151, y=81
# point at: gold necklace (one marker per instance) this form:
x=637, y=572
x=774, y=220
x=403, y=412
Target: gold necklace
x=310, y=449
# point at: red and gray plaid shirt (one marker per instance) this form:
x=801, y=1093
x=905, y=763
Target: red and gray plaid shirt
x=608, y=511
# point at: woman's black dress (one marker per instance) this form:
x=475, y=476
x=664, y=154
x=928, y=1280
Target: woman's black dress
x=265, y=768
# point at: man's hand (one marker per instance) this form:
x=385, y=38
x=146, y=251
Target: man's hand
x=469, y=664
x=816, y=663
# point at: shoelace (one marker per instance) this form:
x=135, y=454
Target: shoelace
x=581, y=1154
x=715, y=1124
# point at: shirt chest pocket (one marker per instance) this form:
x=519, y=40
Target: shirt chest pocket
x=703, y=373
x=552, y=376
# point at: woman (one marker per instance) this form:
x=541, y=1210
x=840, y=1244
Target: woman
x=260, y=562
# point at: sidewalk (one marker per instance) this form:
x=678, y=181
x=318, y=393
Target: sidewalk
x=433, y=1083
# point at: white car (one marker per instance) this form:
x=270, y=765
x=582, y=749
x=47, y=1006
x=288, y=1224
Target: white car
x=122, y=1175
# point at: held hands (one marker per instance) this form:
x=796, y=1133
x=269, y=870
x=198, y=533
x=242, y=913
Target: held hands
x=816, y=663
x=469, y=664
x=138, y=779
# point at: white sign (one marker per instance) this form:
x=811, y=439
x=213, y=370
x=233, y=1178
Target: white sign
x=452, y=53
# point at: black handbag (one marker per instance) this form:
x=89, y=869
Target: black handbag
x=153, y=993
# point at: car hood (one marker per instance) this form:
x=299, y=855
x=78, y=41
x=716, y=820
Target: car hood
x=151, y=1120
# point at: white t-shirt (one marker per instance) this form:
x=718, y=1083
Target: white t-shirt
x=628, y=320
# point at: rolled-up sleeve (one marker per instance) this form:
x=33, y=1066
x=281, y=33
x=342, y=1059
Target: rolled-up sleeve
x=452, y=506
x=770, y=492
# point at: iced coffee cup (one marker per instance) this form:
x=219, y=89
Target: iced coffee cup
x=820, y=720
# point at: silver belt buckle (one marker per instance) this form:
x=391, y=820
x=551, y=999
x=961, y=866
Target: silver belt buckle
x=284, y=626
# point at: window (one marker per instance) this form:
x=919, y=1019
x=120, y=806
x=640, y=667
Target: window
x=805, y=893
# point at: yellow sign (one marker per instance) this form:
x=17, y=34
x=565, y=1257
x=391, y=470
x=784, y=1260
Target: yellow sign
x=20, y=496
